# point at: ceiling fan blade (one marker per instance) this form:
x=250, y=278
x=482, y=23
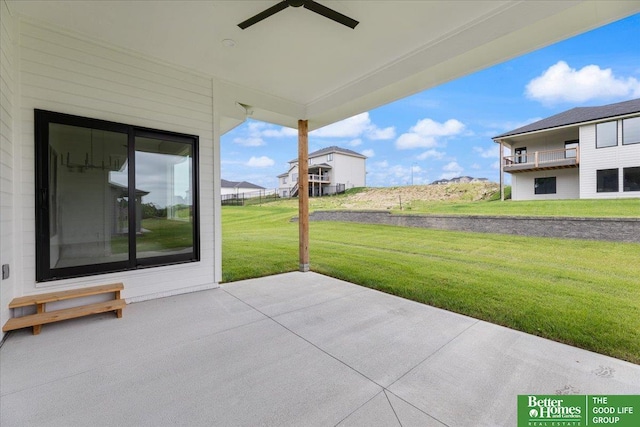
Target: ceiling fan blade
x=330, y=13
x=264, y=14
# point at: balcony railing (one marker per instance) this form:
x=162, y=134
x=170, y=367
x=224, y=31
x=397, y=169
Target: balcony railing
x=319, y=178
x=541, y=160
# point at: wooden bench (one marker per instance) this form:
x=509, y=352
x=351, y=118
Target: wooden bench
x=43, y=317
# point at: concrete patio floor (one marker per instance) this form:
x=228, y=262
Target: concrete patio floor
x=298, y=349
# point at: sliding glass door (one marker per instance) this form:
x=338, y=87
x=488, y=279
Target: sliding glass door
x=112, y=197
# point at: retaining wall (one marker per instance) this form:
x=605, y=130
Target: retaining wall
x=611, y=229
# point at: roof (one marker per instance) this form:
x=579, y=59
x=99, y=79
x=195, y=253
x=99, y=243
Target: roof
x=332, y=149
x=320, y=165
x=241, y=184
x=398, y=49
x=578, y=115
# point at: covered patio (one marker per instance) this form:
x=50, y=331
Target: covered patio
x=293, y=349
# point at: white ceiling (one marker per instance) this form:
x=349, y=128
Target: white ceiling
x=299, y=65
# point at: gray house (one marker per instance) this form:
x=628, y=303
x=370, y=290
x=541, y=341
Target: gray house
x=582, y=153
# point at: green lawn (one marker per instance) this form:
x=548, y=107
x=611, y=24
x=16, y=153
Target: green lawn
x=584, y=293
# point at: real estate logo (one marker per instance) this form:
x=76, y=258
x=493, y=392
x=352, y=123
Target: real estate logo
x=551, y=410
x=578, y=410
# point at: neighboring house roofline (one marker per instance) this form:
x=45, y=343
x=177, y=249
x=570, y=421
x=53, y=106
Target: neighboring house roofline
x=577, y=116
x=332, y=149
x=239, y=184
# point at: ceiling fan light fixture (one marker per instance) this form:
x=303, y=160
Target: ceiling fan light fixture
x=228, y=43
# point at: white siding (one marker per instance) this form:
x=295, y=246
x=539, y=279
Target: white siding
x=7, y=154
x=348, y=170
x=593, y=159
x=567, y=185
x=284, y=189
x=66, y=73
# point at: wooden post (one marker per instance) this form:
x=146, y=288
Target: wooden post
x=303, y=193
x=501, y=171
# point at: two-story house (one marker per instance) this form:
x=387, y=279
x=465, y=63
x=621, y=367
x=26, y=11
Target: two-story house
x=331, y=170
x=582, y=153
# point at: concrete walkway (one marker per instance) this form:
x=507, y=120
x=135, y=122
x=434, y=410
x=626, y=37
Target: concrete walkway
x=298, y=349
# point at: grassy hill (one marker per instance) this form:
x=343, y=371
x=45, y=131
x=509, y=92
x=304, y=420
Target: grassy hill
x=465, y=199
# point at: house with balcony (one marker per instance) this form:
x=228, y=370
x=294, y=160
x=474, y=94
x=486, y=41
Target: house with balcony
x=582, y=153
x=332, y=170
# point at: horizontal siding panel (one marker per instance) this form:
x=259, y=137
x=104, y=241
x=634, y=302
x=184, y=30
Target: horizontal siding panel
x=51, y=64
x=109, y=58
x=100, y=92
x=117, y=112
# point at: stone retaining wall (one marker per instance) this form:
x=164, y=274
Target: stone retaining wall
x=612, y=229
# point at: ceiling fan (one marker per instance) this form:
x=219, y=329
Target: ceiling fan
x=307, y=4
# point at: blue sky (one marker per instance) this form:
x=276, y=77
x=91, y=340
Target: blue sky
x=446, y=131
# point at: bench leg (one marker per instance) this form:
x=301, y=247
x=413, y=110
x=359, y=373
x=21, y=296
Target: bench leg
x=119, y=311
x=37, y=328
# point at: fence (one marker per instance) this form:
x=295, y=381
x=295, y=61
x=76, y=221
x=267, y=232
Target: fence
x=250, y=198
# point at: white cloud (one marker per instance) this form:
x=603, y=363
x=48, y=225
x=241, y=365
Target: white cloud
x=561, y=83
x=488, y=153
x=430, y=154
x=253, y=134
x=368, y=153
x=250, y=141
x=451, y=170
x=260, y=162
x=476, y=166
x=354, y=142
x=355, y=127
x=425, y=133
x=382, y=164
x=381, y=134
x=279, y=133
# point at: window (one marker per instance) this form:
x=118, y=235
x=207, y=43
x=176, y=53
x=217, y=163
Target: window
x=606, y=134
x=631, y=131
x=112, y=197
x=545, y=185
x=284, y=180
x=329, y=157
x=631, y=179
x=571, y=149
x=520, y=155
x=607, y=180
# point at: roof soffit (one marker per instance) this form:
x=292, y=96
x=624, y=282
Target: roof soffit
x=299, y=65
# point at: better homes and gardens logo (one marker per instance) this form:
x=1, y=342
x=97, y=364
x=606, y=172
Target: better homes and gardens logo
x=552, y=410
x=578, y=410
